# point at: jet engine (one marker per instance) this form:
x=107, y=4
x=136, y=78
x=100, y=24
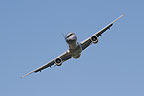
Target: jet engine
x=58, y=61
x=94, y=39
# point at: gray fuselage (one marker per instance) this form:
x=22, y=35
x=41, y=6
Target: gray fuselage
x=74, y=47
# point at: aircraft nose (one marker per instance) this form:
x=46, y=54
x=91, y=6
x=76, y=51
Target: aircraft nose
x=71, y=39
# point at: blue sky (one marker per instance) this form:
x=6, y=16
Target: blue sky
x=30, y=36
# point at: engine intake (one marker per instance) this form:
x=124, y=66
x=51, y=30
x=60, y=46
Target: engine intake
x=94, y=39
x=58, y=61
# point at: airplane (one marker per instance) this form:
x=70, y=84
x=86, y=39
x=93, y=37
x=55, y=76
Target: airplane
x=75, y=48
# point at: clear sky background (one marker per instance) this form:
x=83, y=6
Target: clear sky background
x=30, y=36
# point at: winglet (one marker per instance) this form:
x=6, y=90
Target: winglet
x=118, y=18
x=26, y=74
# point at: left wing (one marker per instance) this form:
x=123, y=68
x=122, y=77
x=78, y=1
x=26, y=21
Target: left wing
x=88, y=41
x=65, y=56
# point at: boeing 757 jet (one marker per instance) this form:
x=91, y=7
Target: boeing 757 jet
x=75, y=48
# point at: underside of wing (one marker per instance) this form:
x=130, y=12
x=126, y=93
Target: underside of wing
x=93, y=38
x=86, y=43
x=99, y=33
x=41, y=68
x=65, y=56
x=44, y=66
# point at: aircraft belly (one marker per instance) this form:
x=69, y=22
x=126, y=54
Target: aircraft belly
x=76, y=52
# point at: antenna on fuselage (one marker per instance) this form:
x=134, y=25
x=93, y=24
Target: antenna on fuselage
x=63, y=35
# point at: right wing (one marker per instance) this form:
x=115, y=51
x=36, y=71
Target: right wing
x=88, y=41
x=65, y=56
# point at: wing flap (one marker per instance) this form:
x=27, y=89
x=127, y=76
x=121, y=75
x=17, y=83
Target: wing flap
x=44, y=66
x=99, y=33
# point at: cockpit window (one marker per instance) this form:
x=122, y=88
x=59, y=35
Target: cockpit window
x=69, y=35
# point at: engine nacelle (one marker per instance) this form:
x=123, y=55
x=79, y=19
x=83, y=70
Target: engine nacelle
x=94, y=39
x=58, y=61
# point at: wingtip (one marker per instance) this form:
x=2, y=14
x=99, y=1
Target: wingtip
x=26, y=74
x=22, y=77
x=118, y=18
x=122, y=15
